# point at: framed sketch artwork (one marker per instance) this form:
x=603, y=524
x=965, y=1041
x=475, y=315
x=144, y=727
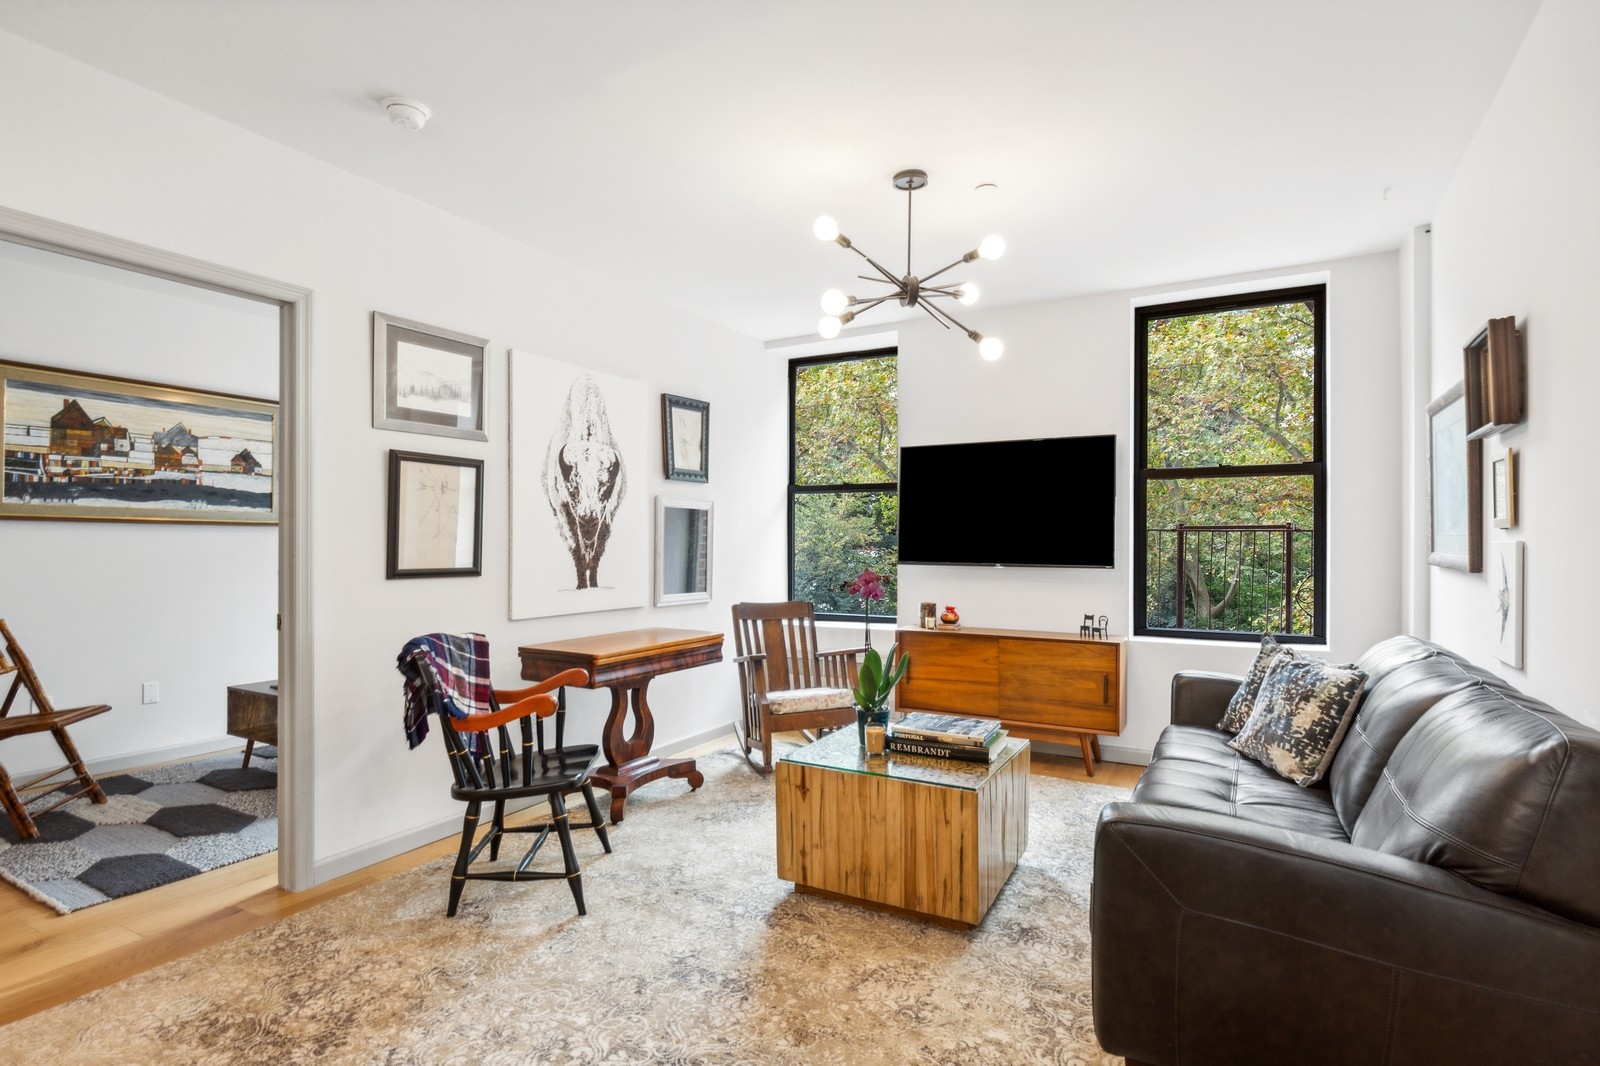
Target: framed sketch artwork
x=1505, y=580
x=435, y=515
x=90, y=446
x=1455, y=486
x=426, y=379
x=686, y=437
x=580, y=513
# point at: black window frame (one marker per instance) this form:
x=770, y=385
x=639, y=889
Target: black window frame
x=890, y=488
x=1317, y=468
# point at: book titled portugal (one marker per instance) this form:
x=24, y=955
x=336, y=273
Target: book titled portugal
x=900, y=744
x=946, y=728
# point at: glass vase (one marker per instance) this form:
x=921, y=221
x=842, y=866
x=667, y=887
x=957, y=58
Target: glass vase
x=869, y=716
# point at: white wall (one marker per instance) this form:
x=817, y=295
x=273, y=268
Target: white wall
x=190, y=607
x=87, y=149
x=1067, y=370
x=1516, y=234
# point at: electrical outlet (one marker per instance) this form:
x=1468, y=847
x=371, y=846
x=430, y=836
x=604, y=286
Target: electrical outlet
x=150, y=692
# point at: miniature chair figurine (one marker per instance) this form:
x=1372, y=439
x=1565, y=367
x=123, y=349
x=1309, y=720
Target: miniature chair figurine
x=785, y=683
x=45, y=718
x=447, y=676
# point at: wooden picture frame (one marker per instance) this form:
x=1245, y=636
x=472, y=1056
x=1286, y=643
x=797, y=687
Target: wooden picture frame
x=1503, y=489
x=435, y=516
x=683, y=551
x=100, y=448
x=685, y=437
x=1455, y=485
x=1492, y=371
x=427, y=380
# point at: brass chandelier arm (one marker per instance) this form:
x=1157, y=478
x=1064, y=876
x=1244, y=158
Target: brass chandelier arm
x=877, y=266
x=941, y=270
x=942, y=313
x=867, y=305
x=934, y=315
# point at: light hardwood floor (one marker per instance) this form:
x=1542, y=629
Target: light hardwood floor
x=47, y=958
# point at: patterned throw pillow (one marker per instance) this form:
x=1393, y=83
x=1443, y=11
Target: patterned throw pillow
x=1244, y=701
x=1301, y=714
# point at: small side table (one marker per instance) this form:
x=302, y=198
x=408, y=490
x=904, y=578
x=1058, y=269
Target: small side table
x=253, y=715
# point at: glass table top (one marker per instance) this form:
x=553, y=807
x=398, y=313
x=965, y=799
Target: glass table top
x=841, y=750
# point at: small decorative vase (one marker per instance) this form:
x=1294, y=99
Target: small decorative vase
x=865, y=717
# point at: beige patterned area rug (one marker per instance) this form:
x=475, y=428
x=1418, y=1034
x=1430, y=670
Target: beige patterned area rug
x=692, y=952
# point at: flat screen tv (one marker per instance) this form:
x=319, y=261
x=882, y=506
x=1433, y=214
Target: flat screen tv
x=1042, y=502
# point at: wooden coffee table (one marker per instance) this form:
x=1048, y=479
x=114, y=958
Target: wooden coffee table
x=927, y=837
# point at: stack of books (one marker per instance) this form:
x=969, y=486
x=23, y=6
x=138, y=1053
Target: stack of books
x=945, y=736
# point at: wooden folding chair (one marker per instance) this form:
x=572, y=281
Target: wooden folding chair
x=44, y=719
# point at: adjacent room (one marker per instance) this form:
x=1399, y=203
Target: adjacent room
x=955, y=534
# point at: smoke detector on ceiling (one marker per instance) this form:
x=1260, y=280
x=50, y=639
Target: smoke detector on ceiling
x=407, y=114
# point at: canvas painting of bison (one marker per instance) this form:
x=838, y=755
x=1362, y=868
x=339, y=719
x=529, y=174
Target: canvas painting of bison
x=579, y=500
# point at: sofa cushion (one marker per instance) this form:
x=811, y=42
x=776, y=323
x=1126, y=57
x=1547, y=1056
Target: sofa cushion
x=1301, y=715
x=1193, y=767
x=1399, y=691
x=1500, y=789
x=1244, y=701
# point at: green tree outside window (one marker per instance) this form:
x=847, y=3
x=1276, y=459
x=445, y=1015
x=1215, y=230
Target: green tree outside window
x=844, y=507
x=1230, y=494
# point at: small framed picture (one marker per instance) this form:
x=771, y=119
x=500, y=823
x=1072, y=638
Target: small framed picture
x=435, y=515
x=1504, y=480
x=426, y=379
x=686, y=434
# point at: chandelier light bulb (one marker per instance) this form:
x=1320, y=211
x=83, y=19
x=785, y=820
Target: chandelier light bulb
x=969, y=293
x=834, y=301
x=828, y=327
x=825, y=228
x=993, y=247
x=991, y=348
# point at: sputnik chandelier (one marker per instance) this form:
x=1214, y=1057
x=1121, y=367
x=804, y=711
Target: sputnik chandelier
x=911, y=291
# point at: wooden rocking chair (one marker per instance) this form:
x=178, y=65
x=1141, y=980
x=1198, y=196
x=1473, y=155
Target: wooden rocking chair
x=44, y=719
x=785, y=683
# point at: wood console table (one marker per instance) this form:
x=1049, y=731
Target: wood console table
x=625, y=663
x=253, y=715
x=1043, y=686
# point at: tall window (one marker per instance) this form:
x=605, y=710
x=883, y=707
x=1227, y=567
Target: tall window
x=844, y=510
x=1229, y=492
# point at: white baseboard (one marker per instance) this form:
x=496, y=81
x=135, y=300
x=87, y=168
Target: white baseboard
x=148, y=757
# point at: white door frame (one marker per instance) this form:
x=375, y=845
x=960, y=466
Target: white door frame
x=295, y=706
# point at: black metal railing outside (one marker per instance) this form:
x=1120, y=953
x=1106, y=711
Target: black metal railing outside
x=1230, y=578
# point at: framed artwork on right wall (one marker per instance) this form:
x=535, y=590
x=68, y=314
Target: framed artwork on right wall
x=1455, y=485
x=1505, y=579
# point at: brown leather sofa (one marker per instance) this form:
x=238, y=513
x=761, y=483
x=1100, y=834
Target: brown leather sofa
x=1436, y=899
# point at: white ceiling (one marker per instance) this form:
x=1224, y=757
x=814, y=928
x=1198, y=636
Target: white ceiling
x=683, y=147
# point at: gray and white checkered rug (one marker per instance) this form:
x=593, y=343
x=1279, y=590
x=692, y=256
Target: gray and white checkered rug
x=156, y=826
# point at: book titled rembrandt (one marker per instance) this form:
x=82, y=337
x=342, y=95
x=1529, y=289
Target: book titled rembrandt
x=898, y=744
x=946, y=728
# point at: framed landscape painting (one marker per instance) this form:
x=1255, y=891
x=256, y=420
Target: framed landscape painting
x=86, y=446
x=426, y=379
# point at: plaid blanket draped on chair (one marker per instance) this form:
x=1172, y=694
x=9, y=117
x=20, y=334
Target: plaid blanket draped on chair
x=452, y=668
